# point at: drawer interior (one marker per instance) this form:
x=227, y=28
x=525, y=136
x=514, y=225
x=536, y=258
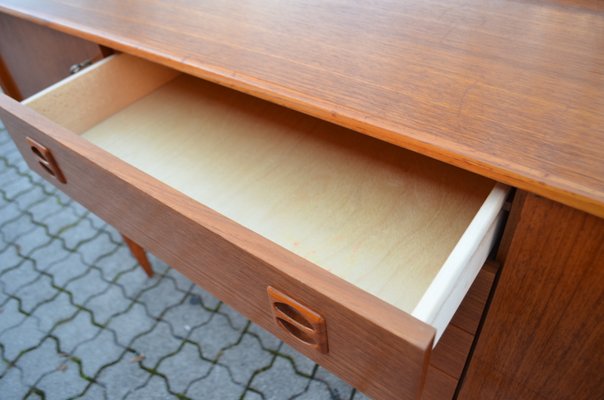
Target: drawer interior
x=378, y=216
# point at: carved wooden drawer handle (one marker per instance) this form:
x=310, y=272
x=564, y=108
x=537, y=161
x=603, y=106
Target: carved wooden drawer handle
x=46, y=159
x=299, y=321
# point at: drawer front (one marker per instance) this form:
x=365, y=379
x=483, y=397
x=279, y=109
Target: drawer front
x=377, y=348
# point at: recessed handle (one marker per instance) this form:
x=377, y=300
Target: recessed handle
x=45, y=159
x=299, y=321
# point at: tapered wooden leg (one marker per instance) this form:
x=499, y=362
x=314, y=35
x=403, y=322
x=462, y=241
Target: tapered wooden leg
x=141, y=256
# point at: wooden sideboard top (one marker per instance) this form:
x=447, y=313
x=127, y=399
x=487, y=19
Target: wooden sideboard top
x=510, y=90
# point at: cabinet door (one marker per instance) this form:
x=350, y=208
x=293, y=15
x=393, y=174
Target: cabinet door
x=33, y=57
x=543, y=336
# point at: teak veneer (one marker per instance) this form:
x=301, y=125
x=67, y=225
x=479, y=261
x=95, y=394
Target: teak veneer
x=543, y=337
x=374, y=247
x=510, y=90
x=33, y=57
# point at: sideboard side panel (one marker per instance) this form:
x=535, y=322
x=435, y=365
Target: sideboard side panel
x=544, y=337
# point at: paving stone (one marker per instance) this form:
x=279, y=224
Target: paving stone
x=107, y=304
x=8, y=175
x=10, y=316
x=48, y=188
x=182, y=282
x=83, y=288
x=216, y=386
x=159, y=267
x=42, y=211
x=251, y=395
x=67, y=269
x=267, y=339
x=135, y=281
x=60, y=221
x=50, y=314
x=99, y=224
x=16, y=227
x=98, y=352
x=17, y=187
x=360, y=396
x=78, y=208
x=122, y=378
x=3, y=203
x=11, y=386
x=118, y=261
x=5, y=140
x=40, y=361
x=64, y=383
x=7, y=146
x=45, y=257
x=63, y=198
x=15, y=159
x=35, y=293
x=9, y=258
x=77, y=235
x=160, y=297
x=280, y=381
x=15, y=278
x=245, y=358
x=302, y=364
x=184, y=367
x=148, y=345
x=35, y=394
x=131, y=324
x=319, y=391
x=33, y=239
x=9, y=212
x=95, y=249
x=215, y=336
x=75, y=331
x=21, y=337
x=25, y=200
x=115, y=236
x=337, y=388
x=198, y=295
x=155, y=389
x=3, y=297
x=94, y=392
x=236, y=320
x=3, y=366
x=185, y=317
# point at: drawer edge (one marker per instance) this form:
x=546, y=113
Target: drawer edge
x=446, y=292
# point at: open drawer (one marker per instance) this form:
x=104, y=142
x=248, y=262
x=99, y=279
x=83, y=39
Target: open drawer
x=355, y=252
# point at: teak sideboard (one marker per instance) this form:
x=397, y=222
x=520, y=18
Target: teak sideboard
x=410, y=193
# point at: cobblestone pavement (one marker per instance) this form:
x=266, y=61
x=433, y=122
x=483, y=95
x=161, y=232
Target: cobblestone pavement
x=79, y=318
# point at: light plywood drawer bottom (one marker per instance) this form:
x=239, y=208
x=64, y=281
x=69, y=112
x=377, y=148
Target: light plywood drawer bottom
x=369, y=248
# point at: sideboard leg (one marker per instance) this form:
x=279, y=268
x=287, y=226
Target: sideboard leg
x=139, y=253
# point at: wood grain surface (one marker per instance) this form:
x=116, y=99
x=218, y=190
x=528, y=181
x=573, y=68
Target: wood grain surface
x=234, y=263
x=543, y=337
x=510, y=90
x=33, y=57
x=379, y=217
x=247, y=117
x=359, y=208
x=452, y=351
